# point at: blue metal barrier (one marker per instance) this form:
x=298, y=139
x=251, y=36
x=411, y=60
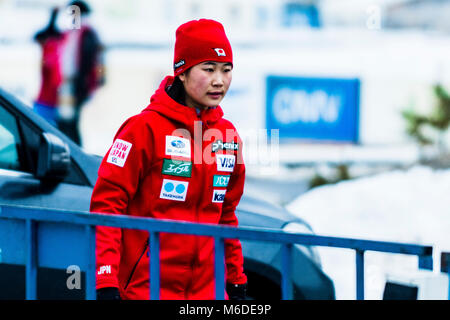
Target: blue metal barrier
x=41, y=229
x=445, y=267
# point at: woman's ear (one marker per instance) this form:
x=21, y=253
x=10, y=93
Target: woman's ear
x=182, y=77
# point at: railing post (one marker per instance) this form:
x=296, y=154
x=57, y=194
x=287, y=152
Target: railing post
x=91, y=263
x=426, y=262
x=286, y=272
x=359, y=274
x=219, y=267
x=154, y=266
x=31, y=266
x=445, y=267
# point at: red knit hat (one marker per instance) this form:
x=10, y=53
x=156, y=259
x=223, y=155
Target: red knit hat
x=198, y=41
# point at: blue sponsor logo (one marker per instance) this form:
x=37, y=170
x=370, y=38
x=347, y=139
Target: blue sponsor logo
x=225, y=162
x=219, y=197
x=174, y=190
x=178, y=144
x=169, y=187
x=220, y=181
x=180, y=188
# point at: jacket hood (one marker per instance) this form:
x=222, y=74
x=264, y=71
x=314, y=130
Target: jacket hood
x=162, y=103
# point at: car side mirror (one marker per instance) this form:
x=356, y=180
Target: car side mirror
x=53, y=157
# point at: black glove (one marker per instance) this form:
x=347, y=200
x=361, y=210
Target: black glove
x=108, y=294
x=237, y=291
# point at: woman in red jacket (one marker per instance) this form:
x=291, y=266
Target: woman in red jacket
x=178, y=159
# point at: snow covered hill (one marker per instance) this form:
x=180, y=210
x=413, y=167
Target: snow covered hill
x=410, y=206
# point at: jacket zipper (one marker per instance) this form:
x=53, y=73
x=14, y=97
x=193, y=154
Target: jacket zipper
x=202, y=174
x=136, y=264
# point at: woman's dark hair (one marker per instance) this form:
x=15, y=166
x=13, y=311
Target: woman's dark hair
x=50, y=30
x=176, y=91
x=84, y=7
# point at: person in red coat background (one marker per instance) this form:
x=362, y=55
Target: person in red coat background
x=82, y=71
x=49, y=40
x=71, y=70
x=178, y=159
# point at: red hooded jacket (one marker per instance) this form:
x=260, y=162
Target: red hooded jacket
x=194, y=174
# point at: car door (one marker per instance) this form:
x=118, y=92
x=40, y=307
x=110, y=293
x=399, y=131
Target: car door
x=19, y=144
x=20, y=138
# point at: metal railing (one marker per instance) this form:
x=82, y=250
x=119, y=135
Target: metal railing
x=445, y=268
x=42, y=229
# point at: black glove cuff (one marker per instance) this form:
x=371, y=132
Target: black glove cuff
x=237, y=291
x=108, y=294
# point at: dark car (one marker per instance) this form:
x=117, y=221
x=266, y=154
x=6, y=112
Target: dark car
x=41, y=167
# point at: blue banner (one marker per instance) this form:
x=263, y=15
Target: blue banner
x=313, y=108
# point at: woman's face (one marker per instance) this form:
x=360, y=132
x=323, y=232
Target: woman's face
x=206, y=83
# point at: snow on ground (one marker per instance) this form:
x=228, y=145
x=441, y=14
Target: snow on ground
x=410, y=206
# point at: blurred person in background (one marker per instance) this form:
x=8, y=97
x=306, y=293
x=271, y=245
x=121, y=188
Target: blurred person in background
x=152, y=170
x=49, y=39
x=82, y=70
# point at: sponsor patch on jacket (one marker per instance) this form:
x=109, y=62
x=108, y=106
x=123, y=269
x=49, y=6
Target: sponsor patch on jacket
x=225, y=162
x=220, y=145
x=177, y=168
x=174, y=190
x=119, y=152
x=177, y=146
x=218, y=196
x=221, y=180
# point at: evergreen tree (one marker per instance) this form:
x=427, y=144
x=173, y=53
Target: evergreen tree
x=439, y=119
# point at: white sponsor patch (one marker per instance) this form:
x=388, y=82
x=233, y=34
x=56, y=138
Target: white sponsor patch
x=119, y=152
x=218, y=196
x=225, y=162
x=176, y=146
x=174, y=190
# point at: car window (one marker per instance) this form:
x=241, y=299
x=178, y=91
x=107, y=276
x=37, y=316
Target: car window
x=10, y=142
x=20, y=140
x=31, y=140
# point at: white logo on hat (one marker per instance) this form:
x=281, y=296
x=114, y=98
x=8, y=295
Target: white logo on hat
x=220, y=52
x=178, y=64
